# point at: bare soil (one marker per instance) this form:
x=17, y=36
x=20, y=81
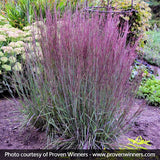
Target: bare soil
x=13, y=136
x=147, y=125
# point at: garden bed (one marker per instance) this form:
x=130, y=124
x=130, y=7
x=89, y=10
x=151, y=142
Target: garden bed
x=147, y=126
x=12, y=136
x=72, y=76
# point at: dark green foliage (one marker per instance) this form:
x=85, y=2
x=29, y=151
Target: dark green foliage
x=155, y=6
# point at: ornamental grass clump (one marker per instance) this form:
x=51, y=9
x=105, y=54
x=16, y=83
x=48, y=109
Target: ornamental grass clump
x=78, y=89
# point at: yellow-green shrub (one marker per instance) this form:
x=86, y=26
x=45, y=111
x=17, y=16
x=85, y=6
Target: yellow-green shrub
x=150, y=90
x=139, y=20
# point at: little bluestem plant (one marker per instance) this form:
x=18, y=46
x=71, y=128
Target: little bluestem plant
x=81, y=95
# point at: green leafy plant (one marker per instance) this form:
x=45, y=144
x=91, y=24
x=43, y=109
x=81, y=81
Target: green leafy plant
x=150, y=90
x=16, y=13
x=10, y=59
x=22, y=12
x=151, y=49
x=13, y=43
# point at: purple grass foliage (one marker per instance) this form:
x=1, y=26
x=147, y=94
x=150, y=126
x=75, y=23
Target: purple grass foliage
x=82, y=96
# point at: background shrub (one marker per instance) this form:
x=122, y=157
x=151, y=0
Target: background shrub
x=150, y=90
x=139, y=21
x=17, y=13
x=22, y=12
x=152, y=48
x=78, y=89
x=155, y=6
